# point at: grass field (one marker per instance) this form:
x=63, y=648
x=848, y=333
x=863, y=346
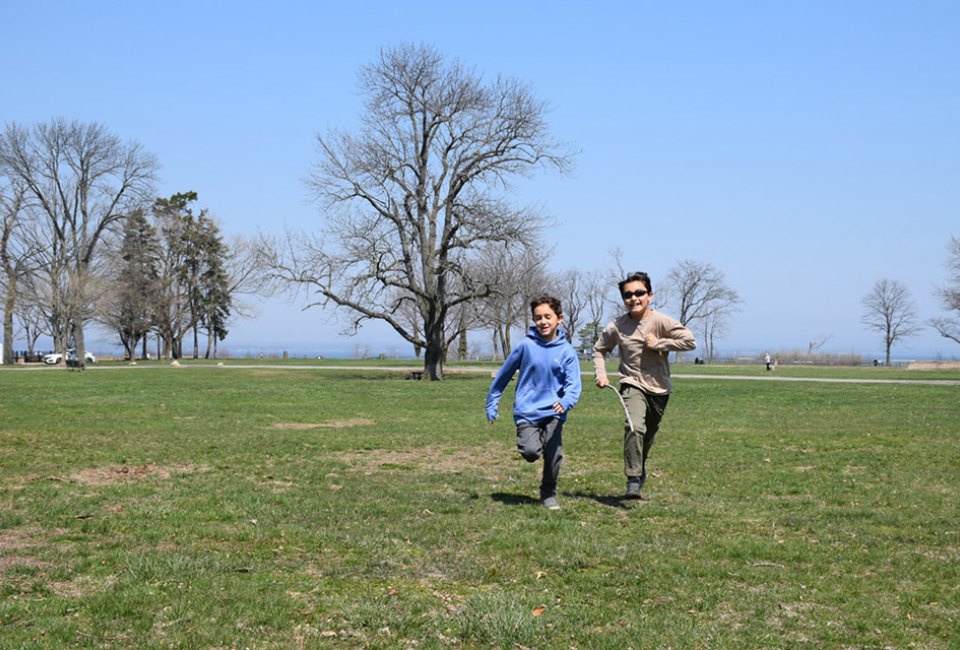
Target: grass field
x=275, y=507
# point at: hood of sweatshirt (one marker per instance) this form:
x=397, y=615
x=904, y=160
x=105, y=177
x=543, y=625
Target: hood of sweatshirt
x=559, y=339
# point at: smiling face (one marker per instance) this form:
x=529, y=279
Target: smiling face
x=636, y=298
x=546, y=321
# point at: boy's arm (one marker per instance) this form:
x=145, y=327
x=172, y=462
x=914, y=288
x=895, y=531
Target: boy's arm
x=572, y=382
x=604, y=345
x=673, y=337
x=500, y=381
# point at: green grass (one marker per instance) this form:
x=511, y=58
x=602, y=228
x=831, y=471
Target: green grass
x=285, y=508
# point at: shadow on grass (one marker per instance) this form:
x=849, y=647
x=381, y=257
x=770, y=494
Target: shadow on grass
x=514, y=499
x=605, y=500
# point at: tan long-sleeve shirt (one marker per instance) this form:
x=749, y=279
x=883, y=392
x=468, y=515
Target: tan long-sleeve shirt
x=642, y=366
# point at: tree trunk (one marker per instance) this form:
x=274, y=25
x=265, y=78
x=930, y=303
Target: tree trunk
x=504, y=340
x=79, y=344
x=8, y=306
x=433, y=353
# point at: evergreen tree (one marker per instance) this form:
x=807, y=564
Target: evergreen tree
x=136, y=282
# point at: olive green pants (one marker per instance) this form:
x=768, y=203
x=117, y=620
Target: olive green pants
x=646, y=411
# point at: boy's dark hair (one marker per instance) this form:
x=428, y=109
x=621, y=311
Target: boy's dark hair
x=547, y=300
x=636, y=276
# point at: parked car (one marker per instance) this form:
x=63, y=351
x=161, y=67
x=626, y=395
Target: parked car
x=56, y=357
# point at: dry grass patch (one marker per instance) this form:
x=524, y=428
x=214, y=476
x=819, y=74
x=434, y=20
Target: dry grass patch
x=112, y=474
x=332, y=424
x=83, y=586
x=15, y=549
x=491, y=463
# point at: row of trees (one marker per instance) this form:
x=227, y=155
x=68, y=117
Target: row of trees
x=85, y=240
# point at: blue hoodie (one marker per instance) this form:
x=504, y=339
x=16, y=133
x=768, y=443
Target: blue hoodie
x=549, y=373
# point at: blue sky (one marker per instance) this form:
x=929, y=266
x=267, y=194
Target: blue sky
x=806, y=149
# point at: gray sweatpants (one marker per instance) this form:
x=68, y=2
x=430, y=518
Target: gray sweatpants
x=544, y=438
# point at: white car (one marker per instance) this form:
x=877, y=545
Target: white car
x=56, y=357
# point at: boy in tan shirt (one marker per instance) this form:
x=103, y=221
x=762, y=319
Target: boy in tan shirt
x=645, y=338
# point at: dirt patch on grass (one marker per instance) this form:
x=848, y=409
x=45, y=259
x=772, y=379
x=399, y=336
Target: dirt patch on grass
x=113, y=474
x=332, y=424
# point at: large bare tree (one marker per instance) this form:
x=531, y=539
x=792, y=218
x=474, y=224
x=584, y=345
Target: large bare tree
x=889, y=310
x=421, y=186
x=949, y=326
x=84, y=182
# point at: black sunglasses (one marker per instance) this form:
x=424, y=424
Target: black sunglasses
x=627, y=295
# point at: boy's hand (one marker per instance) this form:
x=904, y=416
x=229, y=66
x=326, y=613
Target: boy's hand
x=602, y=382
x=558, y=408
x=492, y=421
x=651, y=340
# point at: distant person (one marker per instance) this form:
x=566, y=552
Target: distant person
x=645, y=338
x=768, y=361
x=548, y=386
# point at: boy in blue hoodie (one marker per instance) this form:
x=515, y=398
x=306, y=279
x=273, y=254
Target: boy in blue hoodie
x=547, y=388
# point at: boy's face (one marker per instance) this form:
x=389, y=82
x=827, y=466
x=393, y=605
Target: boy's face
x=636, y=305
x=546, y=321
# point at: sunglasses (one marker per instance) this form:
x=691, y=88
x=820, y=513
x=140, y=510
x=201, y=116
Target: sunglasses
x=627, y=295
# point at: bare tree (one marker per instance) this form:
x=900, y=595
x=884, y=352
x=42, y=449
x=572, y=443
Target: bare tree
x=583, y=295
x=699, y=294
x=889, y=310
x=85, y=182
x=949, y=326
x=571, y=290
x=817, y=343
x=512, y=276
x=412, y=196
x=715, y=324
x=247, y=266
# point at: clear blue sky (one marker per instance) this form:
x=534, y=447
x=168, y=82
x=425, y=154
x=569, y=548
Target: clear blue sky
x=806, y=149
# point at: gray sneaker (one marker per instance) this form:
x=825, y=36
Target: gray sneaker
x=550, y=503
x=633, y=490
